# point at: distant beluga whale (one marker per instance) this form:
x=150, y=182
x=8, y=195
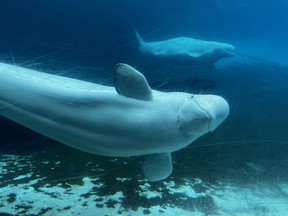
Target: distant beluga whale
x=128, y=120
x=185, y=50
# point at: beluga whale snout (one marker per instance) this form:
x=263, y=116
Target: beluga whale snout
x=202, y=114
x=216, y=108
x=129, y=119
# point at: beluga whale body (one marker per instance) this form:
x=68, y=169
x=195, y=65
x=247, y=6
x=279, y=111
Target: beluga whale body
x=129, y=119
x=185, y=50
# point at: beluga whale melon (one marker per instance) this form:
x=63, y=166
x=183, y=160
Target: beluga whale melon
x=129, y=119
x=184, y=50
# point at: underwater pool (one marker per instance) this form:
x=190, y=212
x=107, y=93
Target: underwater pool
x=220, y=166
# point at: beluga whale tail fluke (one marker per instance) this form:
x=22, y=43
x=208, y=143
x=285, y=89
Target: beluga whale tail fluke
x=129, y=119
x=140, y=40
x=185, y=50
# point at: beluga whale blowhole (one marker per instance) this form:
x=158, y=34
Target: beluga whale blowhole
x=185, y=50
x=129, y=119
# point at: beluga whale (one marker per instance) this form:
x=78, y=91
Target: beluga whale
x=129, y=119
x=184, y=50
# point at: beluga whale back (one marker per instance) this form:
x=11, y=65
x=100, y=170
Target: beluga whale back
x=185, y=50
x=129, y=119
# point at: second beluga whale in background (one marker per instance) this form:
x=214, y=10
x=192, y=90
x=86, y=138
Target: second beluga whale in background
x=129, y=119
x=185, y=50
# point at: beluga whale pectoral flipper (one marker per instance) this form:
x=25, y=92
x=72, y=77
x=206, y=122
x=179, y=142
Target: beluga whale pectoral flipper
x=129, y=119
x=185, y=50
x=158, y=166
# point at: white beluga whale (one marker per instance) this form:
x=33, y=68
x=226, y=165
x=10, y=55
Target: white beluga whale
x=128, y=120
x=185, y=50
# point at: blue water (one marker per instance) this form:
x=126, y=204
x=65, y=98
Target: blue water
x=85, y=39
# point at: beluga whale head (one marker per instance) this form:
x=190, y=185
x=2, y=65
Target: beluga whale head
x=129, y=119
x=202, y=114
x=223, y=50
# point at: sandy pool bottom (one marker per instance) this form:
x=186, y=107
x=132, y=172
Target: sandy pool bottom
x=24, y=191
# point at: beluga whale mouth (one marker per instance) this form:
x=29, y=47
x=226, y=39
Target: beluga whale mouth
x=129, y=119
